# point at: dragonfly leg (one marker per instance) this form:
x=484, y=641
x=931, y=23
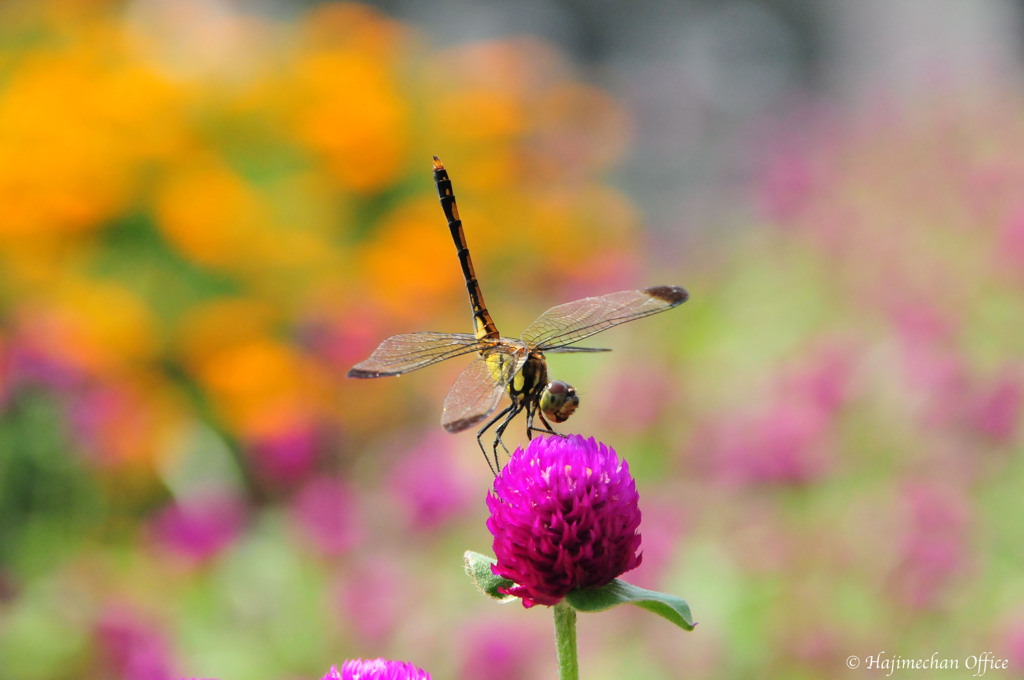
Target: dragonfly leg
x=514, y=411
x=490, y=423
x=547, y=429
x=529, y=423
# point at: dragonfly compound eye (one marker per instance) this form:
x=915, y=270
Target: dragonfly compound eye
x=558, y=401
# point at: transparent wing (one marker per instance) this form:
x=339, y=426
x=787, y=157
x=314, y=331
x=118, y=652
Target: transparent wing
x=565, y=324
x=480, y=387
x=410, y=351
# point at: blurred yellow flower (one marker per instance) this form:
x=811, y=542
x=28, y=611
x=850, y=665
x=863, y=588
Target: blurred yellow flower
x=249, y=375
x=250, y=381
x=484, y=115
x=411, y=261
x=210, y=214
x=346, y=104
x=77, y=122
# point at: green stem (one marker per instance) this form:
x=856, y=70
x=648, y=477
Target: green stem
x=565, y=642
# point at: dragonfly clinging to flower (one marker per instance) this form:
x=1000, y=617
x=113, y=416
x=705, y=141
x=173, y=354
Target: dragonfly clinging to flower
x=511, y=366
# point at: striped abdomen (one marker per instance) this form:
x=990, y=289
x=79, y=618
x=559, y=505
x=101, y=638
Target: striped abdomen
x=483, y=325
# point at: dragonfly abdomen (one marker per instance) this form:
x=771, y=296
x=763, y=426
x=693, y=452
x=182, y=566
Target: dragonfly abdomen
x=483, y=324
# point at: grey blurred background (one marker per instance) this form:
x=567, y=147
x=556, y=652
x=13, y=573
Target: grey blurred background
x=700, y=77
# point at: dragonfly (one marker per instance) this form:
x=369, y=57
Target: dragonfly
x=515, y=367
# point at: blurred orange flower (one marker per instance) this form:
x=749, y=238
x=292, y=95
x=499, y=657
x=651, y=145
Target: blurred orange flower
x=78, y=120
x=211, y=214
x=404, y=264
x=345, y=97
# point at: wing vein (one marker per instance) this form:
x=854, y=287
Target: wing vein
x=569, y=323
x=412, y=351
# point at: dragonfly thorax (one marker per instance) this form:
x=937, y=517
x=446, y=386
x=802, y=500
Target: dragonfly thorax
x=558, y=400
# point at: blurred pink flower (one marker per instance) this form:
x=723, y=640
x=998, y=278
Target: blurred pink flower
x=934, y=371
x=938, y=375
x=921, y=324
x=371, y=597
x=995, y=408
x=992, y=185
x=91, y=413
x=934, y=547
x=821, y=378
x=341, y=339
x=199, y=528
x=26, y=364
x=1011, y=240
x=665, y=524
x=816, y=647
x=496, y=651
x=130, y=649
x=1012, y=644
x=786, y=443
x=6, y=378
x=327, y=514
x=789, y=439
x=286, y=456
x=636, y=398
x=788, y=181
x=795, y=163
x=429, y=484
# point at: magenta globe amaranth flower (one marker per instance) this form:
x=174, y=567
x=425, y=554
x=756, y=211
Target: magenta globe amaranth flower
x=376, y=669
x=564, y=515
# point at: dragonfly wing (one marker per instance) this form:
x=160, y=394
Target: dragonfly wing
x=565, y=324
x=410, y=351
x=480, y=387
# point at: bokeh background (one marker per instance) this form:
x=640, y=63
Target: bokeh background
x=210, y=210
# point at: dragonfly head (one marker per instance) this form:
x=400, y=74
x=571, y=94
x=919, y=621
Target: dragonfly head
x=558, y=401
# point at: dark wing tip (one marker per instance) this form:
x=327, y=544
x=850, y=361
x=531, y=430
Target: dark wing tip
x=463, y=423
x=674, y=295
x=360, y=373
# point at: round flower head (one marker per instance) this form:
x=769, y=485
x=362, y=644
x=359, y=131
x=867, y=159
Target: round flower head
x=376, y=669
x=564, y=515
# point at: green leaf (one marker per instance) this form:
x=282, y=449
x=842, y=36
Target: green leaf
x=479, y=569
x=618, y=592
